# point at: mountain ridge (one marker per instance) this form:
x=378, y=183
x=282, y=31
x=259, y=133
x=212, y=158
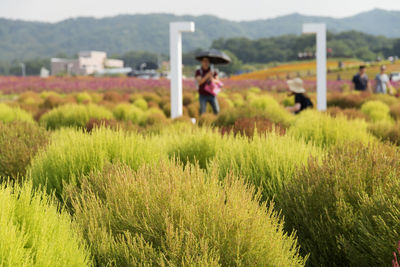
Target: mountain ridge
x=21, y=39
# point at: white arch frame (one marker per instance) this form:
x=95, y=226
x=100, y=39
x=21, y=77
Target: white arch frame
x=320, y=30
x=175, y=37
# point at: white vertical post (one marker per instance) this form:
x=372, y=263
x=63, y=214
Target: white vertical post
x=320, y=30
x=175, y=44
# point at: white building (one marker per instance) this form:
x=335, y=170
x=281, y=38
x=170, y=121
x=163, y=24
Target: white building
x=88, y=62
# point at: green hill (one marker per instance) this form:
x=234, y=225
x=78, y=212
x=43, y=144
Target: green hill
x=117, y=35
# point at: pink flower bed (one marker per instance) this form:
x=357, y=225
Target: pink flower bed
x=17, y=85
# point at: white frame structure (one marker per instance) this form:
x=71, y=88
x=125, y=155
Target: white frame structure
x=320, y=30
x=175, y=42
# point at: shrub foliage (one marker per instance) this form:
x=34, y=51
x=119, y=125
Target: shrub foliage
x=34, y=233
x=267, y=161
x=170, y=216
x=324, y=130
x=72, y=154
x=74, y=116
x=376, y=111
x=345, y=210
x=9, y=114
x=19, y=142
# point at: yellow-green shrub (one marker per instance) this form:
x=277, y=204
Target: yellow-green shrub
x=141, y=103
x=346, y=208
x=386, y=131
x=288, y=102
x=83, y=97
x=151, y=97
x=167, y=109
x=167, y=216
x=19, y=142
x=72, y=154
x=195, y=145
x=9, y=114
x=376, y=111
x=267, y=161
x=46, y=94
x=343, y=100
x=206, y=119
x=250, y=96
x=53, y=101
x=74, y=116
x=395, y=111
x=96, y=97
x=387, y=99
x=237, y=100
x=131, y=113
x=349, y=113
x=380, y=129
x=29, y=98
x=273, y=111
x=155, y=116
x=193, y=110
x=34, y=233
x=322, y=129
x=255, y=90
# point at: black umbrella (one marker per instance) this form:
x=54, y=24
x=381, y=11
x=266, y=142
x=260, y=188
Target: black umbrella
x=215, y=56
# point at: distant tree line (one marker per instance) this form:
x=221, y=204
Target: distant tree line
x=350, y=44
x=285, y=48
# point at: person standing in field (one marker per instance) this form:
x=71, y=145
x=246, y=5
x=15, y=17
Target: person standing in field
x=360, y=80
x=206, y=76
x=301, y=100
x=382, y=82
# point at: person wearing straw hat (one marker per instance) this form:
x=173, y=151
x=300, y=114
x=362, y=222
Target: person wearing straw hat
x=301, y=100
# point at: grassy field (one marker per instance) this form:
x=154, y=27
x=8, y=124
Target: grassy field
x=105, y=178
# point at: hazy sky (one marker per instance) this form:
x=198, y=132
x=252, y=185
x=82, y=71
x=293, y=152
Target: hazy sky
x=56, y=10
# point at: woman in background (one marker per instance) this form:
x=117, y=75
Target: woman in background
x=301, y=100
x=205, y=75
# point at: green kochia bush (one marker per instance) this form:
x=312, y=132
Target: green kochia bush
x=237, y=99
x=195, y=145
x=74, y=116
x=376, y=111
x=127, y=112
x=228, y=117
x=386, y=131
x=72, y=154
x=34, y=233
x=9, y=114
x=324, y=130
x=141, y=103
x=346, y=209
x=273, y=110
x=155, y=116
x=170, y=216
x=83, y=97
x=387, y=99
x=267, y=161
x=19, y=142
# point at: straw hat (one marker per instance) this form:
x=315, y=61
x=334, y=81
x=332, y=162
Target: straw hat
x=296, y=85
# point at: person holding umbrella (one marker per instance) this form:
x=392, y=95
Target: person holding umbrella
x=207, y=79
